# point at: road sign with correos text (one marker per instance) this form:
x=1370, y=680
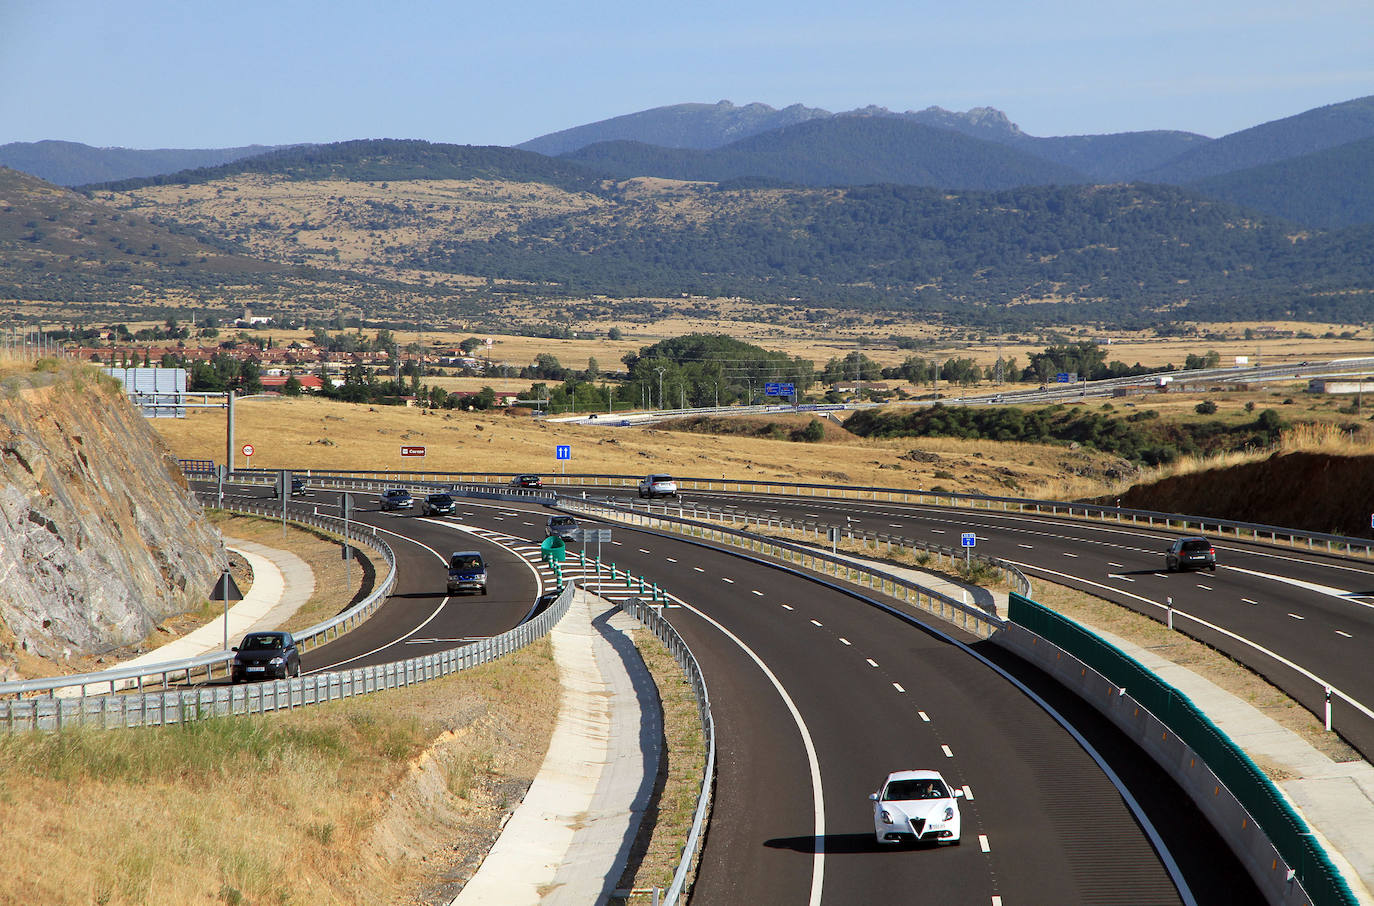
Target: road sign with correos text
x=968, y=539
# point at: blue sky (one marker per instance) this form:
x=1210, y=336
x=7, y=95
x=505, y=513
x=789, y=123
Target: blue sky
x=148, y=74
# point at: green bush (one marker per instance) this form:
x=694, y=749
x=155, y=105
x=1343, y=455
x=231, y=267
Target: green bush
x=1206, y=407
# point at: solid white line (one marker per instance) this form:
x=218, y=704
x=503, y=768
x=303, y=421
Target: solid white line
x=1346, y=634
x=871, y=662
x=1328, y=590
x=817, y=795
x=945, y=749
x=898, y=687
x=983, y=843
x=924, y=716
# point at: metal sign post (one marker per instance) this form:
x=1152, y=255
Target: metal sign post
x=346, y=505
x=834, y=539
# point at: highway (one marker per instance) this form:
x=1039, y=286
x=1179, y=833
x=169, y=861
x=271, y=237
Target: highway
x=817, y=695
x=1309, y=615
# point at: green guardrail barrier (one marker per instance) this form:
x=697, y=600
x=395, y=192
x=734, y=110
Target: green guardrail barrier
x=1251, y=787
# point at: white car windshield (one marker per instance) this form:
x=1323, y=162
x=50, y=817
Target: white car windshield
x=907, y=790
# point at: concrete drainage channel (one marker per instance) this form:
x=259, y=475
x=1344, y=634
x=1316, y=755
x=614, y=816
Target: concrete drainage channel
x=1287, y=861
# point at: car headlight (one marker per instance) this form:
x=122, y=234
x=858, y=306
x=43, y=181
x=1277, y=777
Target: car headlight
x=277, y=661
x=481, y=577
x=949, y=813
x=887, y=819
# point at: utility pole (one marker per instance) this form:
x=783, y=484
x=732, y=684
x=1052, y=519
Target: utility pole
x=660, y=371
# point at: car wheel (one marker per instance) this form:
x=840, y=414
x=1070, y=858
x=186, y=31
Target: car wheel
x=484, y=592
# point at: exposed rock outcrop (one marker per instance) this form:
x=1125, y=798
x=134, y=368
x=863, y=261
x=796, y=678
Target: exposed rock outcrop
x=100, y=539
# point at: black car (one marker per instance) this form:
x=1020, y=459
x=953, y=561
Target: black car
x=527, y=481
x=297, y=486
x=265, y=655
x=440, y=505
x=1191, y=553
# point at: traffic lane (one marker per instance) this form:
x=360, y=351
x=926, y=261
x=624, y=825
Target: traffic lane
x=1329, y=626
x=849, y=737
x=419, y=617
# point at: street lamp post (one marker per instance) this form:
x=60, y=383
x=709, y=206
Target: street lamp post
x=660, y=386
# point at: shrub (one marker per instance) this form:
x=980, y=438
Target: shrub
x=1206, y=407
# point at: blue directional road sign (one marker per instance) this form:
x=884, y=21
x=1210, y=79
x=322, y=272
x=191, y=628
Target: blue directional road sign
x=562, y=451
x=1062, y=377
x=968, y=539
x=774, y=388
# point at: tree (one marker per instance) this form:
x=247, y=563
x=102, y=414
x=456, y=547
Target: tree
x=614, y=334
x=292, y=387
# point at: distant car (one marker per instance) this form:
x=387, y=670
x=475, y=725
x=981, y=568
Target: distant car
x=397, y=499
x=658, y=486
x=440, y=505
x=265, y=655
x=916, y=807
x=297, y=486
x=467, y=572
x=562, y=526
x=1190, y=553
x=527, y=481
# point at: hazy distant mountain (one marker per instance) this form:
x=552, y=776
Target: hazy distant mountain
x=1305, y=133
x=677, y=126
x=388, y=159
x=842, y=150
x=1330, y=188
x=74, y=164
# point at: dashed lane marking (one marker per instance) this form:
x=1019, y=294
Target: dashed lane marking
x=871, y=662
x=1026, y=546
x=924, y=716
x=983, y=844
x=816, y=623
x=1067, y=554
x=1117, y=565
x=1346, y=634
x=1119, y=576
x=671, y=559
x=1248, y=601
x=1204, y=587
x=787, y=607
x=844, y=641
x=698, y=569
x=898, y=687
x=968, y=793
x=1296, y=617
x=643, y=551
x=731, y=581
x=945, y=749
x=757, y=592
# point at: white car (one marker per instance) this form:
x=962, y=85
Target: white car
x=657, y=486
x=916, y=806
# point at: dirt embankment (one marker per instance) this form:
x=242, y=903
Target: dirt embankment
x=1319, y=492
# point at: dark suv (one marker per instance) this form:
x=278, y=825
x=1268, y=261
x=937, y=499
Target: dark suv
x=440, y=505
x=265, y=655
x=1191, y=553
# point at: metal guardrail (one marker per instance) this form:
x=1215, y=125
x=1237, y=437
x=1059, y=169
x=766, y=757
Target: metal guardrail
x=653, y=619
x=182, y=705
x=970, y=617
x=1010, y=572
x=1260, y=532
x=184, y=670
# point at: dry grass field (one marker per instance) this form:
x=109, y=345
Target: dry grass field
x=306, y=432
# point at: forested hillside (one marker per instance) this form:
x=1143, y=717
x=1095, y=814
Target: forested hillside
x=1327, y=189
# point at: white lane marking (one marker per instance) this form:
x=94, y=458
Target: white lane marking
x=527, y=523
x=968, y=793
x=1117, y=565
x=1026, y=546
x=898, y=687
x=1248, y=601
x=757, y=592
x=1327, y=590
x=731, y=581
x=871, y=662
x=894, y=525
x=817, y=794
x=937, y=531
x=996, y=901
x=945, y=749
x=1119, y=576
x=1346, y=634
x=813, y=515
x=616, y=543
x=698, y=569
x=1161, y=575
x=844, y=641
x=787, y=607
x=643, y=551
x=671, y=559
x=1296, y=617
x=1067, y=554
x=816, y=623
x=983, y=844
x=924, y=716
x=1204, y=587
x=1353, y=702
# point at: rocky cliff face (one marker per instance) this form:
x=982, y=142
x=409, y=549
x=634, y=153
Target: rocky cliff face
x=100, y=539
